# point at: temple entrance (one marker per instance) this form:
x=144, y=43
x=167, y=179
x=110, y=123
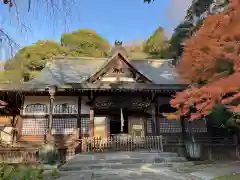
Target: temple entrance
x=115, y=124
x=115, y=127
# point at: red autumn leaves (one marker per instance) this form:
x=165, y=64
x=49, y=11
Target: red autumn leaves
x=211, y=64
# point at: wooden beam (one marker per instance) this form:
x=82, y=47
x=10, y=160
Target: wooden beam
x=91, y=134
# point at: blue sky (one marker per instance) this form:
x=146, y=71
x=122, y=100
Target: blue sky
x=124, y=20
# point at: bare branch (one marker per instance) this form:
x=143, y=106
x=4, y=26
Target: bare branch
x=57, y=13
x=7, y=42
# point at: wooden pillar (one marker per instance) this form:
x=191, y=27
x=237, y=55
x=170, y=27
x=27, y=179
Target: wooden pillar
x=184, y=134
x=21, y=119
x=154, y=123
x=52, y=92
x=79, y=118
x=20, y=124
x=91, y=133
x=183, y=127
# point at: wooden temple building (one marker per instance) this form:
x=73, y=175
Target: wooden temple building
x=75, y=97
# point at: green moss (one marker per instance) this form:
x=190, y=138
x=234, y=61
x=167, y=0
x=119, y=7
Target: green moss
x=235, y=176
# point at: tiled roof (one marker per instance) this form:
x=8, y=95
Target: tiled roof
x=71, y=70
x=160, y=72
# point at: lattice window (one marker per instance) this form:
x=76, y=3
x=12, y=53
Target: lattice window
x=65, y=109
x=37, y=126
x=85, y=123
x=64, y=126
x=169, y=126
x=149, y=125
x=36, y=109
x=173, y=126
x=198, y=126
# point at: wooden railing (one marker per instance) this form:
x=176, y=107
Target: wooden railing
x=25, y=155
x=212, y=145
x=17, y=155
x=205, y=141
x=118, y=143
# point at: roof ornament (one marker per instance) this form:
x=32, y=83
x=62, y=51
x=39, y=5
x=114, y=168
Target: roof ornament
x=118, y=43
x=118, y=47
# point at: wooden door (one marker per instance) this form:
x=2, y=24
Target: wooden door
x=100, y=127
x=136, y=126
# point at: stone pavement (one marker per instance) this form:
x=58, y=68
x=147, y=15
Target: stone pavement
x=138, y=165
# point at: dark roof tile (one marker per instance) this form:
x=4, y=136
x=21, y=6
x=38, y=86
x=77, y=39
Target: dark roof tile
x=70, y=70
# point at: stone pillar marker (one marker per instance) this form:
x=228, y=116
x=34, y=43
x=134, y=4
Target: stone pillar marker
x=51, y=91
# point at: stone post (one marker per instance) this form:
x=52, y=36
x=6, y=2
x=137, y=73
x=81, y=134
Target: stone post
x=52, y=91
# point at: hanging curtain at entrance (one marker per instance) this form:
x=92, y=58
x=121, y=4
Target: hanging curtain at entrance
x=122, y=120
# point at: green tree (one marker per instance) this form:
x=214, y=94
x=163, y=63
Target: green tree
x=135, y=49
x=157, y=44
x=32, y=59
x=181, y=33
x=85, y=42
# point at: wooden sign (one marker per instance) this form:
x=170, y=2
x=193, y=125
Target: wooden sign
x=137, y=126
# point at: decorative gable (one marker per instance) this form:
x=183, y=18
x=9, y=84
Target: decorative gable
x=118, y=69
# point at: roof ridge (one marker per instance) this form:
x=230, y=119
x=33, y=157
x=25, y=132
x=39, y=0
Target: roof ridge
x=79, y=57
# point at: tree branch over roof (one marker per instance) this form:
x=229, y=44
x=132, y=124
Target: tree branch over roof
x=15, y=14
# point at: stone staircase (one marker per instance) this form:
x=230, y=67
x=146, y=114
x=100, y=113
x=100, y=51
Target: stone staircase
x=124, y=165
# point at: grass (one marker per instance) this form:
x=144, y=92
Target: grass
x=25, y=172
x=234, y=176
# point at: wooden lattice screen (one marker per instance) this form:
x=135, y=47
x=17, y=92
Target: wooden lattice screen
x=34, y=126
x=84, y=129
x=174, y=126
x=64, y=126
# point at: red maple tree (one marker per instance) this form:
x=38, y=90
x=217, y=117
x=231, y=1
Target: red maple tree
x=211, y=64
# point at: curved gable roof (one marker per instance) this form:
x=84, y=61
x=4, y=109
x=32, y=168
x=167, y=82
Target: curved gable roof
x=77, y=70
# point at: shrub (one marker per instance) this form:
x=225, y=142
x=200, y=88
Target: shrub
x=48, y=154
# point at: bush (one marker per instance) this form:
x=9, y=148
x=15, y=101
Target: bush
x=24, y=172
x=48, y=154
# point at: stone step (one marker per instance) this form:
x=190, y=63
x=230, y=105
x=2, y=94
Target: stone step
x=105, y=166
x=121, y=155
x=122, y=174
x=130, y=160
x=173, y=164
x=127, y=163
x=169, y=159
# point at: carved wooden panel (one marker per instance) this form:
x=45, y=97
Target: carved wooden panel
x=65, y=108
x=36, y=109
x=119, y=101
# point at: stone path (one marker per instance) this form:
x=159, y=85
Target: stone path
x=138, y=166
x=124, y=165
